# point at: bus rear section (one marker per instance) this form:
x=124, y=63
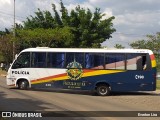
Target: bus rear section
x=99, y=70
x=139, y=73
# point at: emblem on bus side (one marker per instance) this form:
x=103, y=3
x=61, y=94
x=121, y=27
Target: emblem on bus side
x=74, y=70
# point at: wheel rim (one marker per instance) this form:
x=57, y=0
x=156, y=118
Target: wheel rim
x=22, y=85
x=103, y=90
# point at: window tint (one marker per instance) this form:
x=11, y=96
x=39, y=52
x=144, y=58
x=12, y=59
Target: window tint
x=38, y=59
x=79, y=57
x=23, y=61
x=55, y=60
x=131, y=61
x=74, y=57
x=115, y=61
x=136, y=62
x=69, y=58
x=94, y=60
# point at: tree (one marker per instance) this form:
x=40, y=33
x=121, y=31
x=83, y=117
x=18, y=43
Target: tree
x=79, y=28
x=59, y=37
x=119, y=46
x=2, y=33
x=6, y=48
x=153, y=43
x=41, y=20
x=88, y=28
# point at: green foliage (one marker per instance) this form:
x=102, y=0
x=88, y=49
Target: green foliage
x=88, y=28
x=158, y=85
x=58, y=37
x=153, y=43
x=1, y=57
x=158, y=64
x=6, y=47
x=119, y=46
x=41, y=20
x=2, y=33
x=79, y=28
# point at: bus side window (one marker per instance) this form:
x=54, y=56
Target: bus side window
x=99, y=61
x=133, y=62
x=94, y=60
x=55, y=60
x=79, y=57
x=38, y=60
x=115, y=61
x=74, y=57
x=139, y=63
x=89, y=60
x=60, y=60
x=69, y=58
x=144, y=63
x=136, y=62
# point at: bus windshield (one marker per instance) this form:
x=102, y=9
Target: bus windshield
x=22, y=61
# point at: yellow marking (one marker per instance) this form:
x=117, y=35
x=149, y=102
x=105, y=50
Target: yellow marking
x=50, y=80
x=87, y=74
x=154, y=63
x=60, y=78
x=101, y=72
x=40, y=81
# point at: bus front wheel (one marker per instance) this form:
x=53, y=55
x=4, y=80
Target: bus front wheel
x=23, y=85
x=103, y=90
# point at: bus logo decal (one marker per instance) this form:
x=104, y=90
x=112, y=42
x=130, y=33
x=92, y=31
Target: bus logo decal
x=74, y=70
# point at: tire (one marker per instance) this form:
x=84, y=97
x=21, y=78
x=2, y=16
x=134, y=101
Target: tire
x=23, y=85
x=103, y=90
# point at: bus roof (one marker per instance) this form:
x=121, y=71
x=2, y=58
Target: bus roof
x=95, y=50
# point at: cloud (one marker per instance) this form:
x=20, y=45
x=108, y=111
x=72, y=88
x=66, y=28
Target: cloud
x=138, y=21
x=5, y=23
x=5, y=14
x=98, y=2
x=3, y=2
x=84, y=5
x=23, y=9
x=108, y=13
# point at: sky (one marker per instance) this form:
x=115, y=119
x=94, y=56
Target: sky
x=134, y=19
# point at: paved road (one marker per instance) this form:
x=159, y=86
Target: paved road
x=51, y=100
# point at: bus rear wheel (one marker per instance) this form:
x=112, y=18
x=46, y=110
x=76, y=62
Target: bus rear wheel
x=103, y=90
x=23, y=85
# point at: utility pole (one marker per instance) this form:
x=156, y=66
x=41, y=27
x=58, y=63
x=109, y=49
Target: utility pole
x=14, y=33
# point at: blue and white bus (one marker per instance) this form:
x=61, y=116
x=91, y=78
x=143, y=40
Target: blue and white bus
x=100, y=70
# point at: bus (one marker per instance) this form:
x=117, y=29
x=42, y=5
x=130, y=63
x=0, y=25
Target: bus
x=100, y=70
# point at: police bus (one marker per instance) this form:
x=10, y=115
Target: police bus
x=100, y=70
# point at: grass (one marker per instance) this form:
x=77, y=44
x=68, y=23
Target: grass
x=158, y=84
